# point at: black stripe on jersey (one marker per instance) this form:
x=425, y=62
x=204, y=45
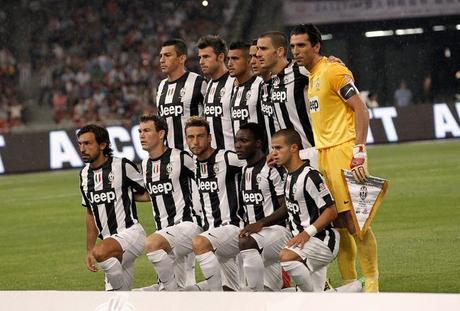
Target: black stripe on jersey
x=274, y=197
x=167, y=198
x=148, y=173
x=184, y=181
x=301, y=105
x=127, y=204
x=197, y=97
x=258, y=209
x=267, y=109
x=94, y=207
x=232, y=193
x=109, y=207
x=213, y=196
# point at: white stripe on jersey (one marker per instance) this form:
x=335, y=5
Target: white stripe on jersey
x=177, y=101
x=245, y=104
x=167, y=180
x=261, y=186
x=217, y=179
x=288, y=98
x=218, y=113
x=268, y=111
x=108, y=192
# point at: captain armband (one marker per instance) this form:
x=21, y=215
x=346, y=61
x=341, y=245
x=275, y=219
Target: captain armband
x=348, y=91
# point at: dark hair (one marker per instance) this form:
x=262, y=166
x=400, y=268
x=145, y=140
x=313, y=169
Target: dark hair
x=254, y=42
x=240, y=45
x=101, y=134
x=291, y=137
x=160, y=122
x=314, y=35
x=198, y=122
x=216, y=42
x=257, y=131
x=278, y=39
x=179, y=45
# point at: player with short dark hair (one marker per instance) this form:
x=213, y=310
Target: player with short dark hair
x=245, y=103
x=217, y=173
x=168, y=174
x=340, y=122
x=212, y=51
x=262, y=194
x=108, y=186
x=311, y=211
x=181, y=94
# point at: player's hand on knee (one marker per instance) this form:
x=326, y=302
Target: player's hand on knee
x=251, y=228
x=299, y=240
x=359, y=163
x=90, y=263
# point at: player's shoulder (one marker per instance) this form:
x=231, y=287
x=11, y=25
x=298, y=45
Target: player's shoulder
x=337, y=68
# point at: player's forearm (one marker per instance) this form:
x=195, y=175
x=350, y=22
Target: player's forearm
x=361, y=123
x=142, y=197
x=91, y=233
x=326, y=218
x=279, y=215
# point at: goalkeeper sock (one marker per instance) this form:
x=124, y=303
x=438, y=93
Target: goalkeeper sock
x=211, y=270
x=367, y=253
x=253, y=266
x=347, y=256
x=113, y=272
x=164, y=266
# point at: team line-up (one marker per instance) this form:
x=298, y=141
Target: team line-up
x=243, y=173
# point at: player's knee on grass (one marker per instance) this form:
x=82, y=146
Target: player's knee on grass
x=288, y=255
x=345, y=220
x=156, y=242
x=201, y=245
x=248, y=242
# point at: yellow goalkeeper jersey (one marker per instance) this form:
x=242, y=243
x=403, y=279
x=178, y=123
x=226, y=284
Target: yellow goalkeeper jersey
x=332, y=120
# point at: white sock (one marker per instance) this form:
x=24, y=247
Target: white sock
x=114, y=273
x=272, y=277
x=299, y=273
x=211, y=270
x=253, y=268
x=354, y=287
x=164, y=266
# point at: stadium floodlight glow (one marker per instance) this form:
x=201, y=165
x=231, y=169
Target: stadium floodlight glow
x=409, y=31
x=326, y=36
x=204, y=3
x=457, y=26
x=439, y=28
x=378, y=33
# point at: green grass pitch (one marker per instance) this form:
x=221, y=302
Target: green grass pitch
x=417, y=226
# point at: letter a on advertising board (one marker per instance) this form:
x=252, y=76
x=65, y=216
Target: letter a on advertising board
x=365, y=199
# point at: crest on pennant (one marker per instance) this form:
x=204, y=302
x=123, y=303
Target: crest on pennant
x=365, y=198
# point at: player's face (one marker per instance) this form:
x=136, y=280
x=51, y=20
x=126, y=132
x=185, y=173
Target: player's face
x=209, y=61
x=89, y=148
x=238, y=63
x=169, y=61
x=198, y=139
x=280, y=150
x=266, y=53
x=302, y=50
x=254, y=61
x=245, y=144
x=150, y=138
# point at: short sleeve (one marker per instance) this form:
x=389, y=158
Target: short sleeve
x=339, y=76
x=316, y=187
x=133, y=176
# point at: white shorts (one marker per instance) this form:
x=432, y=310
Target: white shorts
x=180, y=237
x=316, y=253
x=310, y=154
x=271, y=241
x=131, y=239
x=224, y=240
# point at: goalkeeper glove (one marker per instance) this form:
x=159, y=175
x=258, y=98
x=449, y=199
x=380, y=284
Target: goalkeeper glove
x=359, y=163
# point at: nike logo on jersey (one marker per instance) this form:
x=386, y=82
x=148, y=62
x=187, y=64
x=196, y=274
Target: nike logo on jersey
x=169, y=234
x=208, y=277
x=346, y=202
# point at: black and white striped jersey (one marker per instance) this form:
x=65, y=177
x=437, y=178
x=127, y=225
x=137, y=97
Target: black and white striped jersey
x=307, y=196
x=245, y=103
x=108, y=192
x=218, y=185
x=218, y=113
x=168, y=181
x=178, y=100
x=261, y=186
x=267, y=109
x=288, y=97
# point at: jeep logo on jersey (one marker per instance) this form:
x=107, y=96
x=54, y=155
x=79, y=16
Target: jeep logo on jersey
x=160, y=187
x=213, y=110
x=267, y=109
x=102, y=197
x=279, y=96
x=208, y=185
x=171, y=110
x=292, y=207
x=240, y=113
x=314, y=104
x=253, y=197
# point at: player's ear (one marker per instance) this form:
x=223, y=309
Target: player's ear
x=317, y=47
x=281, y=52
x=183, y=58
x=221, y=57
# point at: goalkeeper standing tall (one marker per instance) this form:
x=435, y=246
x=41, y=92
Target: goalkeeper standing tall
x=340, y=121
